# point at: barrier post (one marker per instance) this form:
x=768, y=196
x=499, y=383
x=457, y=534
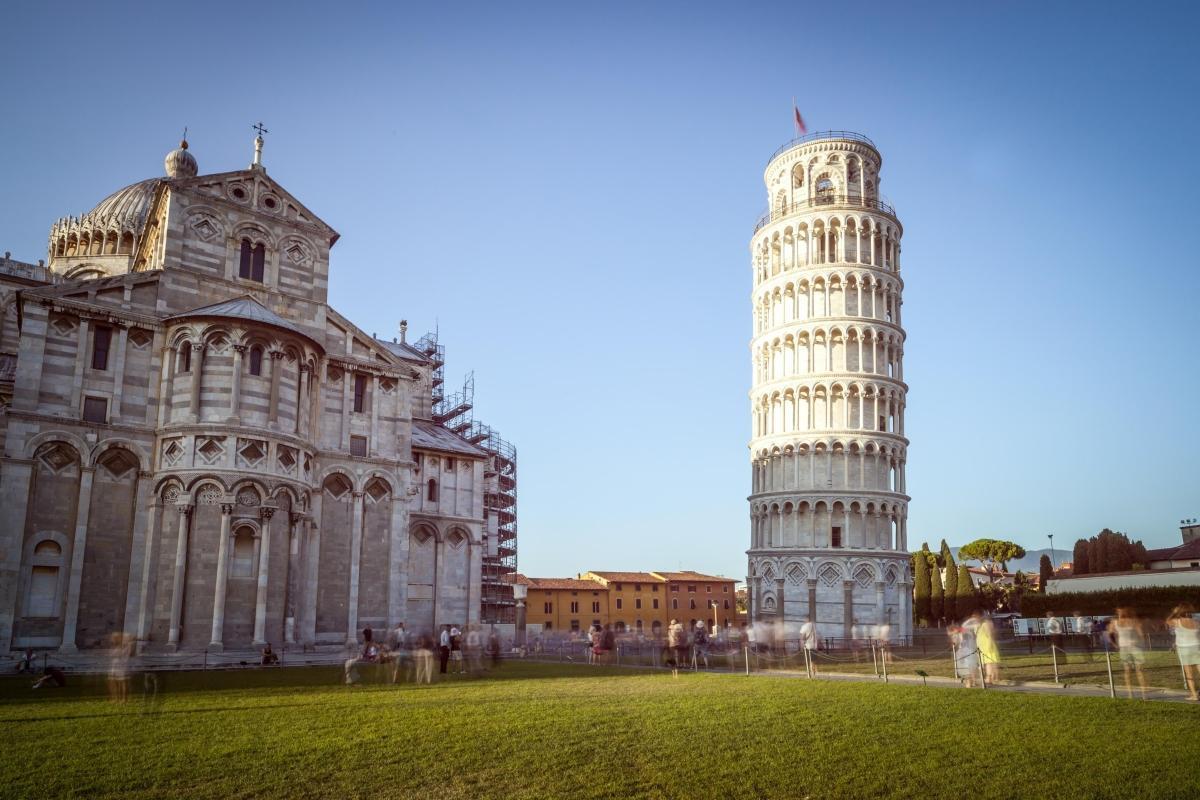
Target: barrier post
x=982, y=672
x=885, y=678
x=954, y=661
x=1112, y=690
x=746, y=651
x=1054, y=659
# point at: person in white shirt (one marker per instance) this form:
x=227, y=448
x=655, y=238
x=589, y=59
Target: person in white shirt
x=808, y=640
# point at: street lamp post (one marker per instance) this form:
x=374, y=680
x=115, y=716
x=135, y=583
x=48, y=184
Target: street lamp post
x=1050, y=536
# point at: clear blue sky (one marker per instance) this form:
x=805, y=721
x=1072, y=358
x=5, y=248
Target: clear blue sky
x=569, y=191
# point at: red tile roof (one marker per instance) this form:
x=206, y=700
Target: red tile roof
x=689, y=575
x=627, y=577
x=560, y=583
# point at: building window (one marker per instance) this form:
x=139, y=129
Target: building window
x=256, y=354
x=595, y=607
x=42, y=600
x=674, y=588
x=726, y=605
x=358, y=446
x=251, y=261
x=618, y=587
x=242, y=563
x=637, y=603
x=185, y=358
x=547, y=608
x=574, y=609
x=618, y=604
x=656, y=627
x=431, y=491
x=692, y=604
x=639, y=626
x=725, y=589
x=656, y=602
x=547, y=626
x=692, y=589
x=835, y=537
x=637, y=587
x=674, y=602
x=708, y=589
x=101, y=342
x=450, y=464
x=574, y=626
x=360, y=393
x=95, y=409
x=654, y=588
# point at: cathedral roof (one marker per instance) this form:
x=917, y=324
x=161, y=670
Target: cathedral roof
x=404, y=350
x=431, y=436
x=246, y=308
x=125, y=208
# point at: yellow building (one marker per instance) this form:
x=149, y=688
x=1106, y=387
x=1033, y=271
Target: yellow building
x=635, y=602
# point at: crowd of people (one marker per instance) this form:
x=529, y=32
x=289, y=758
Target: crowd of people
x=407, y=657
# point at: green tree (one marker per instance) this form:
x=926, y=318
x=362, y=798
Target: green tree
x=945, y=557
x=1079, y=558
x=921, y=586
x=951, y=585
x=1045, y=571
x=965, y=600
x=937, y=595
x=991, y=553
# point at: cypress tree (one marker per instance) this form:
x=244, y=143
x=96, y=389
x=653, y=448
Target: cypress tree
x=945, y=557
x=951, y=586
x=937, y=595
x=921, y=587
x=965, y=601
x=1079, y=557
x=1045, y=572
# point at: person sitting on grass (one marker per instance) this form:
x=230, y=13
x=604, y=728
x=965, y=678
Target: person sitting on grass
x=269, y=657
x=52, y=676
x=370, y=655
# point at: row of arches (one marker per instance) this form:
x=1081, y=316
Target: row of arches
x=850, y=239
x=93, y=242
x=835, y=525
x=865, y=407
x=867, y=466
x=831, y=350
x=837, y=295
x=830, y=571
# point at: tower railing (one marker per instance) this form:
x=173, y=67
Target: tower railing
x=817, y=136
x=823, y=201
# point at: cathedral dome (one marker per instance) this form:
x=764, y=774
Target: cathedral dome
x=125, y=208
x=179, y=163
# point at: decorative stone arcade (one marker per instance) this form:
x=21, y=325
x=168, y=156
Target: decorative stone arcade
x=828, y=507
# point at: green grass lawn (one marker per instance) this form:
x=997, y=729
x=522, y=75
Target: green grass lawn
x=566, y=731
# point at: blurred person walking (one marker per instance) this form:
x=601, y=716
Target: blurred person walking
x=1054, y=629
x=676, y=646
x=444, y=648
x=456, y=649
x=1187, y=645
x=989, y=649
x=1083, y=629
x=700, y=646
x=423, y=659
x=1126, y=630
x=474, y=650
x=493, y=647
x=808, y=640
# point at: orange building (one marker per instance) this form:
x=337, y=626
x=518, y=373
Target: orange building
x=642, y=602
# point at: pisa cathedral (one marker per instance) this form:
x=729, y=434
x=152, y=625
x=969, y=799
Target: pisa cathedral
x=201, y=453
x=828, y=505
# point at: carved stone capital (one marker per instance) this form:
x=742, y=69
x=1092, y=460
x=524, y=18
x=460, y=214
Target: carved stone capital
x=227, y=508
x=267, y=511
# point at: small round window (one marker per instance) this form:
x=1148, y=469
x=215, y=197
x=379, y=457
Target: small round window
x=270, y=202
x=239, y=193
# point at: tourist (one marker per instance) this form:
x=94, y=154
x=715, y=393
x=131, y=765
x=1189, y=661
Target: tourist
x=676, y=646
x=1054, y=629
x=592, y=640
x=1187, y=646
x=456, y=649
x=989, y=649
x=444, y=648
x=608, y=641
x=885, y=641
x=370, y=655
x=493, y=647
x=962, y=640
x=25, y=665
x=700, y=646
x=423, y=660
x=473, y=650
x=808, y=641
x=400, y=657
x=1126, y=630
x=269, y=657
x=118, y=668
x=53, y=676
x=1083, y=629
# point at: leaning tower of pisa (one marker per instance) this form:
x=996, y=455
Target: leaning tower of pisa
x=828, y=506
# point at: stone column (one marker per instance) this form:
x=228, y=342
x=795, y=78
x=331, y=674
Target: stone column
x=356, y=525
x=398, y=557
x=276, y=368
x=197, y=376
x=295, y=519
x=218, y=617
x=119, y=372
x=303, y=389
x=848, y=608
x=143, y=518
x=14, y=501
x=235, y=397
x=177, y=589
x=166, y=385
x=812, y=600
x=314, y=399
x=264, y=562
x=347, y=407
x=78, y=549
x=880, y=613
x=81, y=363
x=779, y=608
x=145, y=596
x=312, y=559
x=373, y=436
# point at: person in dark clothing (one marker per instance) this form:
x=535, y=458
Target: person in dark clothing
x=493, y=646
x=444, y=649
x=53, y=676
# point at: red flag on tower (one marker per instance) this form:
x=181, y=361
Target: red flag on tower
x=800, y=127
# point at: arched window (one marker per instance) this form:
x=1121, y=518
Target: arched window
x=42, y=599
x=256, y=354
x=251, y=260
x=242, y=563
x=824, y=190
x=185, y=358
x=431, y=491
